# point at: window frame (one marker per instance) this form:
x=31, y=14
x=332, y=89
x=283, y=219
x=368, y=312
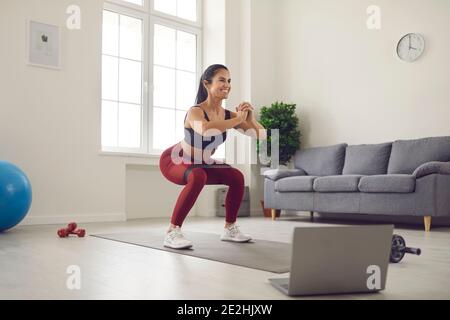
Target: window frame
x=151, y=17
x=121, y=10
x=145, y=7
x=181, y=27
x=198, y=23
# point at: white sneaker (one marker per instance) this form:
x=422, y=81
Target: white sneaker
x=233, y=234
x=176, y=240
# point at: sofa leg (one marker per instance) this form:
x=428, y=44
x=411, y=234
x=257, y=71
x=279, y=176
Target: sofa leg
x=312, y=216
x=427, y=222
x=274, y=214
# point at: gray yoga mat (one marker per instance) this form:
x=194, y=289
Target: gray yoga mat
x=259, y=254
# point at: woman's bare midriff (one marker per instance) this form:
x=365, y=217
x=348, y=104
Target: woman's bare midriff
x=189, y=151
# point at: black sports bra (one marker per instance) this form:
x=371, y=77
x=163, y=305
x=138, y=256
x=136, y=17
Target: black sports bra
x=205, y=143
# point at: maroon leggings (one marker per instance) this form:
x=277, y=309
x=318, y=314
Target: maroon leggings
x=194, y=178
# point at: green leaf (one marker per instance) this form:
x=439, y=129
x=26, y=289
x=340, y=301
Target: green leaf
x=283, y=117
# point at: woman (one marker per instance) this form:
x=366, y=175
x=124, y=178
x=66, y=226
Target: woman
x=189, y=162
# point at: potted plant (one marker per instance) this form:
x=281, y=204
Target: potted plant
x=283, y=117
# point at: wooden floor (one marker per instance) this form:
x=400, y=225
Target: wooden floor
x=34, y=262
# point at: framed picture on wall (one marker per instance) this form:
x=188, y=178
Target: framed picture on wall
x=43, y=42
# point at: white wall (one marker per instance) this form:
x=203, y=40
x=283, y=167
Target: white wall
x=50, y=125
x=49, y=120
x=250, y=53
x=347, y=80
x=264, y=86
x=148, y=194
x=238, y=33
x=213, y=32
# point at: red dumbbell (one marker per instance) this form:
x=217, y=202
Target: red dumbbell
x=71, y=229
x=64, y=233
x=71, y=226
x=79, y=232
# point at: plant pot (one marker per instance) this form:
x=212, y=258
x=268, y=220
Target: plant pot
x=268, y=211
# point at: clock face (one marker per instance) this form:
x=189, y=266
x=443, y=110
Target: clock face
x=411, y=47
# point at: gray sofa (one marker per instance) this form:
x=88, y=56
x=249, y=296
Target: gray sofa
x=403, y=178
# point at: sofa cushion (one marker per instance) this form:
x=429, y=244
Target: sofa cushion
x=395, y=183
x=277, y=174
x=337, y=184
x=295, y=184
x=367, y=160
x=322, y=161
x=408, y=155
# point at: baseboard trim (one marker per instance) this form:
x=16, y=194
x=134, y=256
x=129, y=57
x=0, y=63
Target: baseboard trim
x=48, y=220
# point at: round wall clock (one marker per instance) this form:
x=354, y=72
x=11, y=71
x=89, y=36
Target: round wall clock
x=411, y=47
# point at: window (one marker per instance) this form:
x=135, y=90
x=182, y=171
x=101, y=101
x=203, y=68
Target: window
x=122, y=67
x=175, y=77
x=150, y=68
x=185, y=9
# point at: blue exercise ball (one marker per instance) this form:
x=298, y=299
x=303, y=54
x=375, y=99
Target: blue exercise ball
x=15, y=195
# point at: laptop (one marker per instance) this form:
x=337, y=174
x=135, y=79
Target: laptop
x=338, y=260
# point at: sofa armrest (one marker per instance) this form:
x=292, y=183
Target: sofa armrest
x=278, y=174
x=432, y=168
